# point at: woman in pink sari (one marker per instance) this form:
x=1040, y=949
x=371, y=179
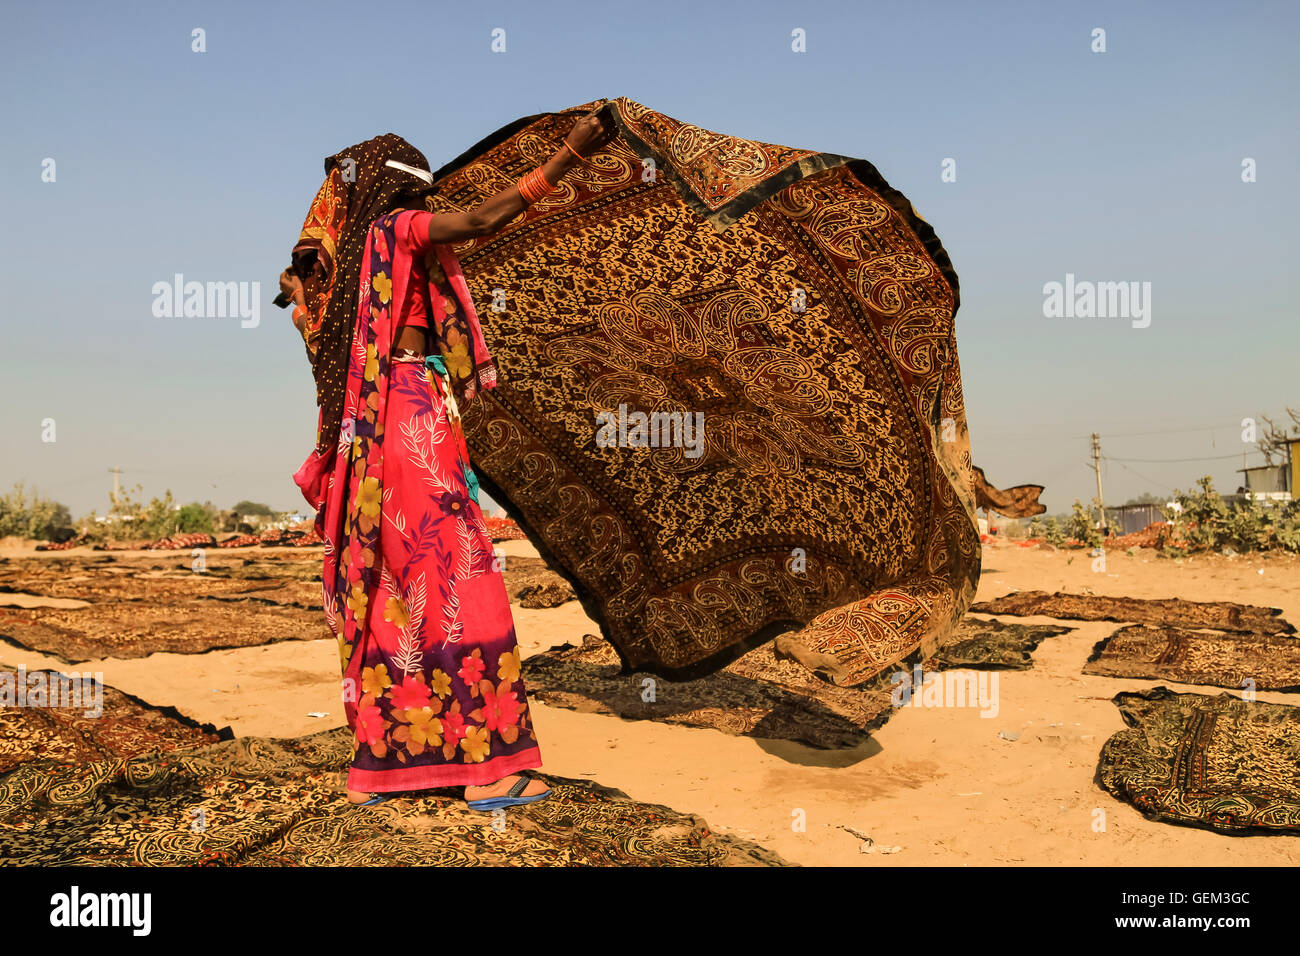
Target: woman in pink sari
x=431, y=667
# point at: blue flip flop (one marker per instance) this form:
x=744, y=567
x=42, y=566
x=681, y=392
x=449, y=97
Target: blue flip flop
x=513, y=797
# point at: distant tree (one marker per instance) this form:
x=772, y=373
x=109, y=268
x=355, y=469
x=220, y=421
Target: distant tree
x=253, y=508
x=194, y=517
x=34, y=516
x=1276, y=437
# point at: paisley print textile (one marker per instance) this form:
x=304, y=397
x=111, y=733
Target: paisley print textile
x=792, y=304
x=1221, y=763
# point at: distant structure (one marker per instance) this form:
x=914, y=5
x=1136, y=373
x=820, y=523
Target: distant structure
x=1126, y=519
x=1273, y=482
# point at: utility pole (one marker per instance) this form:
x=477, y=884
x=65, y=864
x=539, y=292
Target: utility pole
x=1096, y=466
x=117, y=475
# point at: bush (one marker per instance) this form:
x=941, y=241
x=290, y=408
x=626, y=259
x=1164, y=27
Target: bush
x=1209, y=523
x=1080, y=526
x=34, y=517
x=195, y=517
x=132, y=519
x=1053, y=534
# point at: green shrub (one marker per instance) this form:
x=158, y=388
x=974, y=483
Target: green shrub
x=1209, y=523
x=34, y=516
x=1080, y=526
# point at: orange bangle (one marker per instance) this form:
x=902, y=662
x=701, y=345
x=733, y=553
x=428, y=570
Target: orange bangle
x=577, y=155
x=534, y=185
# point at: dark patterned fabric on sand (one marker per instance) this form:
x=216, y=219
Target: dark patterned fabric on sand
x=140, y=606
x=1215, y=762
x=1221, y=658
x=795, y=301
x=530, y=582
x=756, y=695
x=141, y=629
x=1222, y=615
x=264, y=802
x=993, y=645
x=126, y=727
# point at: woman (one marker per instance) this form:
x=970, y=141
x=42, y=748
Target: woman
x=431, y=667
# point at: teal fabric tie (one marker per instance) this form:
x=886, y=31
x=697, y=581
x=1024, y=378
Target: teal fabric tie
x=436, y=363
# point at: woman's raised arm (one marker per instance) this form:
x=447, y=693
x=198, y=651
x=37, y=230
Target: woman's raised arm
x=487, y=217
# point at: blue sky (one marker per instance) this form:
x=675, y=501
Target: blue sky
x=1115, y=166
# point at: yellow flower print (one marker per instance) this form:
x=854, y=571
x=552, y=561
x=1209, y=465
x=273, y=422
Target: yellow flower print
x=395, y=613
x=345, y=653
x=375, y=680
x=357, y=602
x=448, y=305
x=368, y=497
x=441, y=683
x=372, y=363
x=508, y=666
x=426, y=729
x=476, y=743
x=383, y=285
x=457, y=361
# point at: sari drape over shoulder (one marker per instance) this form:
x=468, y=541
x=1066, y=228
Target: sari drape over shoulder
x=410, y=585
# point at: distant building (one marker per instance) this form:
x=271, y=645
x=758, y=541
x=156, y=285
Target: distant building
x=1273, y=482
x=1126, y=519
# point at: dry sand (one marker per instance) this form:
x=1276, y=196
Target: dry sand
x=939, y=783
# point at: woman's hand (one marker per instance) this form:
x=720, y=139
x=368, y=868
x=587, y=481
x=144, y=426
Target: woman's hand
x=589, y=133
x=291, y=286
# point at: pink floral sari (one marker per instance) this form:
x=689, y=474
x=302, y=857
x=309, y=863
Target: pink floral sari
x=431, y=668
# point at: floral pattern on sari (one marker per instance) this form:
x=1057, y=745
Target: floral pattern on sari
x=411, y=588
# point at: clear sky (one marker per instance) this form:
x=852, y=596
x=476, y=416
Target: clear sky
x=1117, y=166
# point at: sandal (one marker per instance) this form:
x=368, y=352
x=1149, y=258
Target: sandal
x=513, y=797
x=374, y=799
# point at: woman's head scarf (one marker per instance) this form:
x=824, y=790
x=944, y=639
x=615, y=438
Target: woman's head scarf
x=362, y=183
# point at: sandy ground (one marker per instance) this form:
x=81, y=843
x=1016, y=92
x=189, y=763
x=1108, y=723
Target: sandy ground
x=939, y=783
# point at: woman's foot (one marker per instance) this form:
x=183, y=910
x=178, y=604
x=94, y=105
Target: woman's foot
x=502, y=787
x=356, y=797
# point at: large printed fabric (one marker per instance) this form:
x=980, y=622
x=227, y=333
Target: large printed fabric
x=796, y=302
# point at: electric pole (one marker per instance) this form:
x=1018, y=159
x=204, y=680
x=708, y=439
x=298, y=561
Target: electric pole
x=1096, y=466
x=117, y=475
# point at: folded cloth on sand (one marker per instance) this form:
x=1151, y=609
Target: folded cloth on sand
x=760, y=694
x=730, y=401
x=1221, y=658
x=1215, y=762
x=256, y=801
x=115, y=725
x=1222, y=615
x=993, y=645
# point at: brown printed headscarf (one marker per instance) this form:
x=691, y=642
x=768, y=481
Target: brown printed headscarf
x=358, y=189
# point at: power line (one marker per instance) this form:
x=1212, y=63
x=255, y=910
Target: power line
x=1150, y=481
x=1161, y=461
